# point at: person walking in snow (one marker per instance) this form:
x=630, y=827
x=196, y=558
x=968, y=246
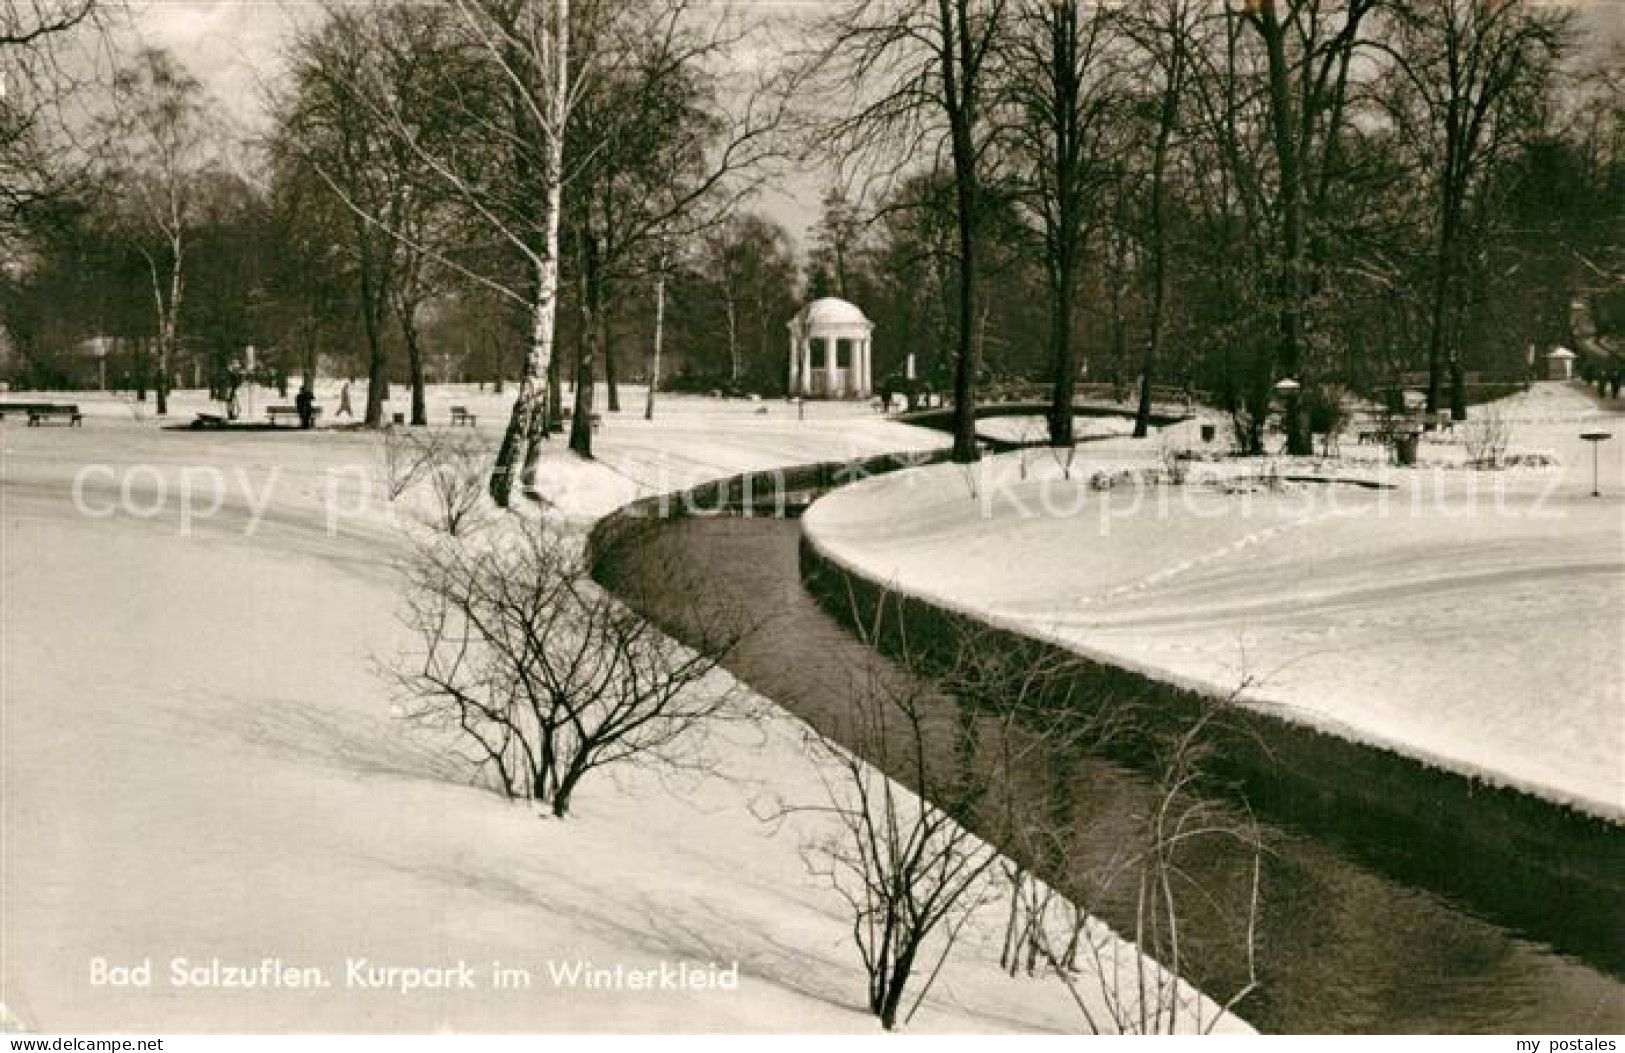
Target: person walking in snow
x=305, y=403
x=344, y=402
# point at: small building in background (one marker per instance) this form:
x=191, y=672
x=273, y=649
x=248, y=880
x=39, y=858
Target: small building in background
x=830, y=354
x=1560, y=364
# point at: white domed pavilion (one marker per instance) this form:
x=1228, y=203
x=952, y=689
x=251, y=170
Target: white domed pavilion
x=830, y=351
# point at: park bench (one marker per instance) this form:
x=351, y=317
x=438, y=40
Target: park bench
x=41, y=414
x=276, y=413
x=460, y=415
x=22, y=407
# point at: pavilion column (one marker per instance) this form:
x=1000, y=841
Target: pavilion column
x=795, y=364
x=832, y=358
x=865, y=374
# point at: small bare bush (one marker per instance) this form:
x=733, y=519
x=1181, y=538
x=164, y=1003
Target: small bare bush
x=457, y=481
x=1139, y=988
x=1487, y=437
x=452, y=466
x=544, y=676
x=902, y=857
x=407, y=457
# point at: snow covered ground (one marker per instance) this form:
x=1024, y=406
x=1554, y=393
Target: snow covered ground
x=1469, y=618
x=197, y=761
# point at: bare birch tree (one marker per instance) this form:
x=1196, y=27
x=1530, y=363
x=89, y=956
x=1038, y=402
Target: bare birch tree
x=156, y=141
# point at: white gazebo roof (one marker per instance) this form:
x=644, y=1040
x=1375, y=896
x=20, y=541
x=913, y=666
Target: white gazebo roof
x=1561, y=352
x=828, y=313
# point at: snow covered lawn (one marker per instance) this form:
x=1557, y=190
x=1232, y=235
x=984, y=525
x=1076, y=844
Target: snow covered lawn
x=1471, y=619
x=1036, y=429
x=197, y=762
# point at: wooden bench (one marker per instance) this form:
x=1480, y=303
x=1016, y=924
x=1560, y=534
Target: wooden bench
x=22, y=407
x=460, y=415
x=41, y=414
x=276, y=413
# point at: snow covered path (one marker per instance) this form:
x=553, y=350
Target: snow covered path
x=197, y=762
x=1471, y=619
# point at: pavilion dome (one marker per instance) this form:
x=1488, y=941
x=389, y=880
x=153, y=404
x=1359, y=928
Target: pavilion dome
x=832, y=312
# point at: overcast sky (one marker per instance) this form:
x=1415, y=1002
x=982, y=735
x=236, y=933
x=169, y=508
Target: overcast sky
x=236, y=48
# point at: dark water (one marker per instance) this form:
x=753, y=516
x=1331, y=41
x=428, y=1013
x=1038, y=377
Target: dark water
x=1340, y=948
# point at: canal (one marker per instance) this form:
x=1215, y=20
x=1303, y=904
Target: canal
x=1341, y=946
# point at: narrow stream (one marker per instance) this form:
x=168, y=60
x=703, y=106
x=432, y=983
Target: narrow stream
x=1340, y=947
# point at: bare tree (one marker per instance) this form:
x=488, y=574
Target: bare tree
x=1164, y=34
x=918, y=78
x=901, y=850
x=665, y=145
x=545, y=677
x=156, y=141
x=1061, y=81
x=1469, y=63
x=35, y=80
x=1309, y=46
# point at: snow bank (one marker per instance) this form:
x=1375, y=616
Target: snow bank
x=197, y=762
x=1468, y=619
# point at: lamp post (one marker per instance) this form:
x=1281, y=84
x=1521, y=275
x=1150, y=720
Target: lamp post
x=1596, y=439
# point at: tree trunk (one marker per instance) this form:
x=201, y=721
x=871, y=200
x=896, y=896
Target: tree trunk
x=591, y=313
x=371, y=317
x=1289, y=287
x=1159, y=239
x=529, y=417
x=528, y=424
x=1439, y=338
x=660, y=330
x=1060, y=423
x=892, y=999
x=406, y=313
x=607, y=341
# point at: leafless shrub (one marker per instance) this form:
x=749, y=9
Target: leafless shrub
x=1174, y=459
x=452, y=464
x=545, y=677
x=1027, y=699
x=407, y=456
x=1486, y=437
x=1137, y=988
x=909, y=868
x=457, y=481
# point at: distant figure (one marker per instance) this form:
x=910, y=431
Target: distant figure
x=305, y=403
x=344, y=402
x=234, y=380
